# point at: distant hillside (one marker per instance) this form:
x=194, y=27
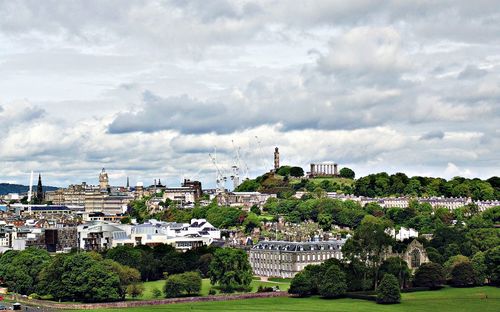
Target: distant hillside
x=6, y=188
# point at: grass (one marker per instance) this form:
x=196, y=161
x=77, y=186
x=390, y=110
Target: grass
x=341, y=181
x=205, y=287
x=484, y=299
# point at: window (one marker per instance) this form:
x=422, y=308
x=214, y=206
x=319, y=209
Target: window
x=415, y=258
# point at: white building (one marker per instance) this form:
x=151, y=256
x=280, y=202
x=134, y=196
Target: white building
x=402, y=234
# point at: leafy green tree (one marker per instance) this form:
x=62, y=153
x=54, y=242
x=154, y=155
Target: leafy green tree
x=192, y=282
x=397, y=267
x=480, y=268
x=174, y=286
x=333, y=283
x=20, y=269
x=301, y=285
x=230, y=269
x=388, y=290
x=492, y=261
x=462, y=275
x=453, y=261
x=188, y=283
x=347, y=173
x=429, y=275
x=296, y=172
x=369, y=243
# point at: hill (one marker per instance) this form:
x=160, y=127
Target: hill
x=6, y=188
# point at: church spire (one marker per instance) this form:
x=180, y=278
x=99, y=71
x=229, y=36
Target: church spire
x=39, y=190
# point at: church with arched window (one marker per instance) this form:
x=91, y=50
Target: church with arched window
x=415, y=255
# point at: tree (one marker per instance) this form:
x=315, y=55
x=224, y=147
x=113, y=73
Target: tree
x=388, y=290
x=333, y=283
x=480, y=269
x=347, y=173
x=230, y=269
x=192, y=282
x=301, y=285
x=80, y=277
x=492, y=261
x=174, y=286
x=397, y=267
x=20, y=270
x=188, y=283
x=462, y=275
x=369, y=243
x=296, y=172
x=429, y=275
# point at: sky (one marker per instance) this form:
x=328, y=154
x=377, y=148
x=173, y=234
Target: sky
x=148, y=89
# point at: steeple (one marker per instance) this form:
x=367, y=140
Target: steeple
x=39, y=190
x=128, y=183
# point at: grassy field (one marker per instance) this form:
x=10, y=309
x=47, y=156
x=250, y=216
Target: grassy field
x=205, y=287
x=484, y=299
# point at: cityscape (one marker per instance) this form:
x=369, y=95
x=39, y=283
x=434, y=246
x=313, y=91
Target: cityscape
x=249, y=155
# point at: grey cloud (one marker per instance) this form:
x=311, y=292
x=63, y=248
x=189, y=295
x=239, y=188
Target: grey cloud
x=471, y=72
x=437, y=134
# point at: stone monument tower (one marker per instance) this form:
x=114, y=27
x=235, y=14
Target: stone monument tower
x=276, y=159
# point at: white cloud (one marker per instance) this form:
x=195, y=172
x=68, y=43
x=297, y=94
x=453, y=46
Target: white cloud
x=148, y=89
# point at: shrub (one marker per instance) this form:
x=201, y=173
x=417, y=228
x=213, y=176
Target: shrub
x=429, y=275
x=173, y=286
x=135, y=290
x=301, y=285
x=212, y=292
x=462, y=275
x=262, y=289
x=156, y=293
x=332, y=283
x=388, y=290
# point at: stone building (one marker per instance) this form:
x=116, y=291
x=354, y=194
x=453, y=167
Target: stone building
x=285, y=259
x=414, y=255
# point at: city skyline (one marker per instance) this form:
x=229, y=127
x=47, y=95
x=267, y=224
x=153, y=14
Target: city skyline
x=148, y=91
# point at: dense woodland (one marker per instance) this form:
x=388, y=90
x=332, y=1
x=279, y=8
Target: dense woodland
x=376, y=185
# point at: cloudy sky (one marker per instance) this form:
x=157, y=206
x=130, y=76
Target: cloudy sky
x=148, y=89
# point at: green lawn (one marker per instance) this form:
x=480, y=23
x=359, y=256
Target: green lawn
x=483, y=299
x=205, y=287
x=341, y=181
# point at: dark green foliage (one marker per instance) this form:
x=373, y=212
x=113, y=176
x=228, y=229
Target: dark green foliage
x=20, y=270
x=80, y=277
x=462, y=275
x=296, y=172
x=492, y=261
x=333, y=283
x=480, y=268
x=347, y=173
x=301, y=285
x=381, y=184
x=369, y=244
x=153, y=262
x=230, y=269
x=388, y=290
x=397, y=267
x=188, y=283
x=429, y=275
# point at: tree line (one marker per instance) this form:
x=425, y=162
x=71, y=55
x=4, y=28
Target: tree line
x=399, y=184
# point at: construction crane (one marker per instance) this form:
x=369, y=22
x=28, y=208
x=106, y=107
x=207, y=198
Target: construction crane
x=220, y=178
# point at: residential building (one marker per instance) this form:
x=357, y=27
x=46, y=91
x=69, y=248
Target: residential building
x=285, y=259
